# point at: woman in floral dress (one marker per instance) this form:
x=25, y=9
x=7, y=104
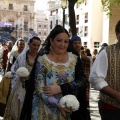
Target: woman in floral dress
x=56, y=67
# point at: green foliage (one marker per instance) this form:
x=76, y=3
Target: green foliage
x=80, y=1
x=106, y=5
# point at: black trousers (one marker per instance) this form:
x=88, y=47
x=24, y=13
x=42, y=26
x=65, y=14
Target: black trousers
x=109, y=114
x=2, y=109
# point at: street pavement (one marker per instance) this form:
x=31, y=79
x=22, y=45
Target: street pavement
x=94, y=97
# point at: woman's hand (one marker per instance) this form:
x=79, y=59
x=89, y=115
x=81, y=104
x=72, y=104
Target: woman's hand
x=22, y=79
x=50, y=90
x=63, y=111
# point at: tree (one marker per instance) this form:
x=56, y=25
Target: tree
x=72, y=20
x=106, y=6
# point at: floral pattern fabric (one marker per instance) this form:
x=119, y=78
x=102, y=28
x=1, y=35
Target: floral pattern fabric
x=49, y=73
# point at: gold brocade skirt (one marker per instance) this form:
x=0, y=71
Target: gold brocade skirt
x=13, y=108
x=4, y=89
x=46, y=114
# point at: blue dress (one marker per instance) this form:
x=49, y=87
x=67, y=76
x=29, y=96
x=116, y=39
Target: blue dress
x=50, y=73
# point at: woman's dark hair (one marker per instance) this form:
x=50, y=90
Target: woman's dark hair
x=55, y=31
x=34, y=38
x=104, y=45
x=117, y=27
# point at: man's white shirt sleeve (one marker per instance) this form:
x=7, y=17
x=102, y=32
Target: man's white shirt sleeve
x=99, y=71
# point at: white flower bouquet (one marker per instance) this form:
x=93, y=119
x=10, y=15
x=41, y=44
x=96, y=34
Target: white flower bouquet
x=8, y=74
x=71, y=102
x=22, y=72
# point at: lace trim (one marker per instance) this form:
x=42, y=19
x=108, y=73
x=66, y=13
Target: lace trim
x=70, y=58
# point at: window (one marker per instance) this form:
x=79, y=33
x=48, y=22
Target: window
x=10, y=6
x=40, y=26
x=86, y=2
x=77, y=19
x=25, y=8
x=44, y=26
x=39, y=33
x=96, y=44
x=56, y=22
x=77, y=22
x=44, y=33
x=86, y=28
x=85, y=44
x=51, y=13
x=56, y=11
x=26, y=26
x=77, y=30
x=77, y=5
x=50, y=24
x=86, y=21
x=85, y=34
x=86, y=17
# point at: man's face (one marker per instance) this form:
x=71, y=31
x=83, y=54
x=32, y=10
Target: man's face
x=10, y=44
x=77, y=46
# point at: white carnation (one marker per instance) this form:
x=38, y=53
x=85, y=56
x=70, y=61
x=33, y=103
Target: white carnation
x=8, y=74
x=22, y=72
x=70, y=101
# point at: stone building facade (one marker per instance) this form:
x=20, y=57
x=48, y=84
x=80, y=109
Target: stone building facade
x=41, y=24
x=21, y=14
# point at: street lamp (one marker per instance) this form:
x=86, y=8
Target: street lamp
x=64, y=6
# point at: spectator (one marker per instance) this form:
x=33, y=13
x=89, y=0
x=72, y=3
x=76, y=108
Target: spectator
x=83, y=112
x=5, y=57
x=95, y=52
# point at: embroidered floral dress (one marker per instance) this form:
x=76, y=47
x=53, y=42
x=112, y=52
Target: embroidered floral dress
x=49, y=73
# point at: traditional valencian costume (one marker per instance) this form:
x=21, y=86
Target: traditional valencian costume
x=69, y=76
x=5, y=83
x=46, y=72
x=16, y=98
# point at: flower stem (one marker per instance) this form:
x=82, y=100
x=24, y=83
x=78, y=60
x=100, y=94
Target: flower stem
x=68, y=116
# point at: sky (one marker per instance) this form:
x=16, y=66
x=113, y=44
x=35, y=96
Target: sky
x=41, y=5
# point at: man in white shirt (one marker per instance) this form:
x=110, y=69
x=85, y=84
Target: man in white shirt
x=105, y=77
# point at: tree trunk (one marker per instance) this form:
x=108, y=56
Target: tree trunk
x=72, y=19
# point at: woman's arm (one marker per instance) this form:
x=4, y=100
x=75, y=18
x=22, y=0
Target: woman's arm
x=73, y=87
x=39, y=85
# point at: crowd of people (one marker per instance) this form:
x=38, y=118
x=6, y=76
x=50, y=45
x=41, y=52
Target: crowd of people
x=59, y=67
